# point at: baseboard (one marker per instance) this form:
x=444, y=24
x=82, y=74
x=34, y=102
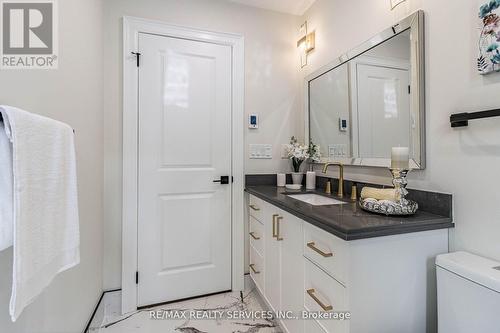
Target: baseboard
x=97, y=307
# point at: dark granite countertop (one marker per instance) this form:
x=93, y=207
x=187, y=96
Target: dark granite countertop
x=348, y=221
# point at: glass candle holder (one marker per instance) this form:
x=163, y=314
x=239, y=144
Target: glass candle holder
x=399, y=181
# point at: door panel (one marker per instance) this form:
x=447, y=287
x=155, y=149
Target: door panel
x=384, y=110
x=194, y=224
x=184, y=221
x=186, y=100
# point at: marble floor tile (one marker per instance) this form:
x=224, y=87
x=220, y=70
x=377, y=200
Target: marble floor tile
x=109, y=320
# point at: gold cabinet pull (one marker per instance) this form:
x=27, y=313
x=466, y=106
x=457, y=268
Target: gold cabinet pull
x=311, y=292
x=253, y=235
x=254, y=207
x=312, y=246
x=252, y=267
x=278, y=219
x=274, y=224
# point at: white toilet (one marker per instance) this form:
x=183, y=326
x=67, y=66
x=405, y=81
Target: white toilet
x=468, y=293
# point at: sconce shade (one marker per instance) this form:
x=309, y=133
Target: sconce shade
x=307, y=42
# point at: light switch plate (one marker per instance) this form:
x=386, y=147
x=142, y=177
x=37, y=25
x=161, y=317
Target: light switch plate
x=337, y=150
x=261, y=151
x=332, y=150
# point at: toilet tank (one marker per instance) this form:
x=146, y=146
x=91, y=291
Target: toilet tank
x=468, y=293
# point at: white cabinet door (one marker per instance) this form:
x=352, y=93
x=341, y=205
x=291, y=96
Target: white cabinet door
x=257, y=269
x=184, y=218
x=272, y=258
x=292, y=270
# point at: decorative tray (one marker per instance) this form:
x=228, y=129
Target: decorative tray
x=386, y=207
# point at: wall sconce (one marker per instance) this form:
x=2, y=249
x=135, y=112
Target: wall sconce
x=394, y=3
x=305, y=44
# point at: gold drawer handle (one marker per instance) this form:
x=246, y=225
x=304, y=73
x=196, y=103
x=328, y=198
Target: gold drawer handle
x=253, y=269
x=311, y=292
x=254, y=207
x=312, y=246
x=278, y=219
x=253, y=235
x=274, y=224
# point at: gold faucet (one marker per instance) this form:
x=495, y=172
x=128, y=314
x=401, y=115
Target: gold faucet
x=341, y=176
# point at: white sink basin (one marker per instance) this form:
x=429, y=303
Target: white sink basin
x=316, y=200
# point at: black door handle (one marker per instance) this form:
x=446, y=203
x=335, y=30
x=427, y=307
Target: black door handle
x=223, y=180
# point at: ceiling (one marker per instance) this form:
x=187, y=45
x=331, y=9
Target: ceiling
x=295, y=7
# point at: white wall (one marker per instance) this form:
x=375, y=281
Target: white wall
x=72, y=94
x=464, y=162
x=271, y=88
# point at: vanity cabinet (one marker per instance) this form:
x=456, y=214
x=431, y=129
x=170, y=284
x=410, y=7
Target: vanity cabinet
x=272, y=260
x=288, y=230
x=257, y=239
x=282, y=275
x=386, y=284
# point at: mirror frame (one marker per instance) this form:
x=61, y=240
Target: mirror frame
x=415, y=22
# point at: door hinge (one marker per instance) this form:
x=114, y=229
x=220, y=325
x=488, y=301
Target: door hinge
x=137, y=57
x=136, y=277
x=409, y=89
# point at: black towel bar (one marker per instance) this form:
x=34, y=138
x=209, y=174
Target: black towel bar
x=462, y=119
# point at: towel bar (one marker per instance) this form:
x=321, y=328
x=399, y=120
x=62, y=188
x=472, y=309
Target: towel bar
x=462, y=119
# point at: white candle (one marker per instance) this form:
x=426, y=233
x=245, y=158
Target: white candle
x=310, y=180
x=281, y=179
x=400, y=158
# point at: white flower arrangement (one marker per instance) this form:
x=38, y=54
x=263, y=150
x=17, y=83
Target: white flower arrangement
x=314, y=152
x=298, y=153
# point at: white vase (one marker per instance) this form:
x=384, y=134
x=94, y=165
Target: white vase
x=297, y=177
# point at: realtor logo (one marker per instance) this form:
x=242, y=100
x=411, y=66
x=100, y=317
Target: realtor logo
x=29, y=34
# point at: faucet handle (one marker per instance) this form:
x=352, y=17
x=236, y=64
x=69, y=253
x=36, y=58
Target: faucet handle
x=328, y=189
x=354, y=192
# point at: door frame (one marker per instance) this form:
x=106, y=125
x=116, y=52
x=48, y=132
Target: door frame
x=132, y=26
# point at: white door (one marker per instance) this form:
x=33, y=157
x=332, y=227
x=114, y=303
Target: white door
x=383, y=109
x=184, y=217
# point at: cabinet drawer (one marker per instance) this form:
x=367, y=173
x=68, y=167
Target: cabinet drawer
x=312, y=326
x=326, y=250
x=324, y=294
x=257, y=269
x=256, y=207
x=256, y=235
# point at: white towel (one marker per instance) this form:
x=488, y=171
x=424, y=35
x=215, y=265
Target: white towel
x=6, y=202
x=46, y=237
